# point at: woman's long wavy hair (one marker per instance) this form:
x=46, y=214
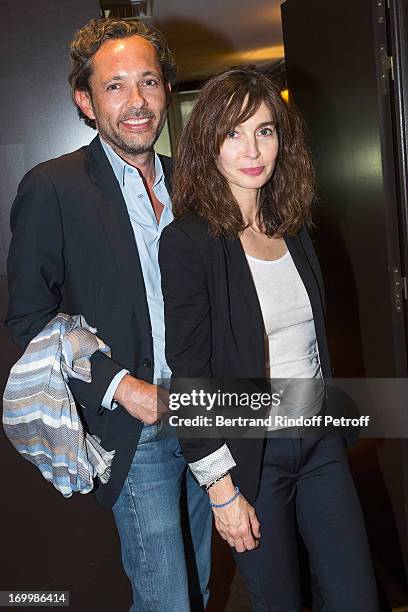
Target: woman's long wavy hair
x=226, y=101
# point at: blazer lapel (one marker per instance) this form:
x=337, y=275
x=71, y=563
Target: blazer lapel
x=312, y=287
x=168, y=168
x=303, y=267
x=239, y=268
x=112, y=212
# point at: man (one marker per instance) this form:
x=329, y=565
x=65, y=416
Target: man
x=85, y=230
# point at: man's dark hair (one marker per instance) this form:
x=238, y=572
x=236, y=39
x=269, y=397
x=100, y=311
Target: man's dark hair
x=91, y=37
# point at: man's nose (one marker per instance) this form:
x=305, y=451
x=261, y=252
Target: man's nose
x=137, y=99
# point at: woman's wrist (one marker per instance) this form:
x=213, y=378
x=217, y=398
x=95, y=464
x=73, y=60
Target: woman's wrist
x=213, y=482
x=222, y=490
x=229, y=501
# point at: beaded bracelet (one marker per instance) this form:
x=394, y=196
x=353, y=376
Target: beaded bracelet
x=217, y=480
x=229, y=501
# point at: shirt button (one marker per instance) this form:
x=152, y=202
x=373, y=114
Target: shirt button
x=130, y=170
x=178, y=452
x=140, y=195
x=147, y=363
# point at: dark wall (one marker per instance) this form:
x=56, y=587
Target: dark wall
x=37, y=118
x=47, y=542
x=334, y=77
x=330, y=54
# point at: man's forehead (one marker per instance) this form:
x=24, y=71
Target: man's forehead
x=126, y=50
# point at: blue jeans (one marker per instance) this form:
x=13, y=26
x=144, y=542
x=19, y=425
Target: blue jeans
x=164, y=524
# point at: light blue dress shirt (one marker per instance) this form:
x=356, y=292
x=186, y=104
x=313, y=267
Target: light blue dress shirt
x=147, y=233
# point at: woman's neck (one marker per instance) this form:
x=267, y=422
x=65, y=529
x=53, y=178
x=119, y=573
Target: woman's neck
x=249, y=208
x=247, y=200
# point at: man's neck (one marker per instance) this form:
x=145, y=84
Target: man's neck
x=144, y=163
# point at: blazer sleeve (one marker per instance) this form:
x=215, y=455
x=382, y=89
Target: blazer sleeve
x=187, y=317
x=36, y=270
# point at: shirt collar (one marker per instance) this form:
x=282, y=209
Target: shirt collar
x=120, y=167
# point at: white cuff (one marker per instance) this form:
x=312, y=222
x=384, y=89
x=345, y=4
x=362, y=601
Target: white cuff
x=108, y=401
x=210, y=467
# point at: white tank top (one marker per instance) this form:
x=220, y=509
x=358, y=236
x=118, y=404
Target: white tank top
x=291, y=351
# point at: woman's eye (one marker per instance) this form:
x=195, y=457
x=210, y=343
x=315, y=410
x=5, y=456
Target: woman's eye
x=232, y=134
x=266, y=131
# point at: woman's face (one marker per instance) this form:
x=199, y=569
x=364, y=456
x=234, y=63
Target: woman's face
x=248, y=154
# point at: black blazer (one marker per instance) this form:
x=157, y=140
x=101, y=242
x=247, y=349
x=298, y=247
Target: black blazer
x=73, y=250
x=214, y=324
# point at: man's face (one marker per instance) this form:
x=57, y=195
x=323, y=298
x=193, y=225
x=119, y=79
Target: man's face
x=127, y=95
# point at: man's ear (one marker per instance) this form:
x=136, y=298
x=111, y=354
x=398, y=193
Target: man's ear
x=83, y=99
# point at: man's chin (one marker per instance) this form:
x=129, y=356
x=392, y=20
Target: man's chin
x=137, y=146
x=130, y=144
x=139, y=150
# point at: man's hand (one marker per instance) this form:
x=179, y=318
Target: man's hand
x=237, y=523
x=146, y=402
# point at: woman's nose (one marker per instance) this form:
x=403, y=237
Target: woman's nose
x=251, y=149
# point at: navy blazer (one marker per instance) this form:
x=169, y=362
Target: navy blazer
x=214, y=324
x=73, y=250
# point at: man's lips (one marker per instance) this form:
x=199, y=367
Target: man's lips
x=136, y=124
x=256, y=171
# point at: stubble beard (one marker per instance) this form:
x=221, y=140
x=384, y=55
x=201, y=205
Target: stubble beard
x=128, y=146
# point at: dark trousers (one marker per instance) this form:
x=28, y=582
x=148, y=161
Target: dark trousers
x=306, y=485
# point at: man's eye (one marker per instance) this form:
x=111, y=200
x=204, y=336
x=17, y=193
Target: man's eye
x=150, y=82
x=113, y=87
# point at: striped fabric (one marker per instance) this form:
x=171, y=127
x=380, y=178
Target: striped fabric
x=39, y=413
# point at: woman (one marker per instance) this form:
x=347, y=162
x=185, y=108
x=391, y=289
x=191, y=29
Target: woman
x=243, y=299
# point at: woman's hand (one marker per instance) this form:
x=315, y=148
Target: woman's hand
x=237, y=522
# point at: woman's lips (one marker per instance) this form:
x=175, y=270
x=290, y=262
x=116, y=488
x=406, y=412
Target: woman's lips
x=253, y=171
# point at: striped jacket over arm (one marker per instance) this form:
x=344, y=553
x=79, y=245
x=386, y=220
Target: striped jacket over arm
x=39, y=413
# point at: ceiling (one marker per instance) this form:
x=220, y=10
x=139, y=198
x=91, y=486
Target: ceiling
x=210, y=35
